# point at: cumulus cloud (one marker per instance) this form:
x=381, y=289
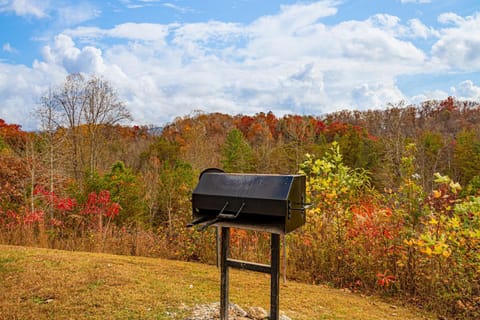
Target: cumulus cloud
x=64, y=53
x=20, y=90
x=366, y=40
x=289, y=62
x=295, y=18
x=429, y=95
x=373, y=96
x=450, y=18
x=458, y=46
x=416, y=29
x=467, y=90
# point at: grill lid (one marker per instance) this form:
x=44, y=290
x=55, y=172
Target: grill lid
x=248, y=186
x=249, y=200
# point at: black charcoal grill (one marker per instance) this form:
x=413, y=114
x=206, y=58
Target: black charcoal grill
x=263, y=202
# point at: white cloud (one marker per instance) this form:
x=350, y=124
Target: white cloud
x=137, y=4
x=86, y=34
x=7, y=47
x=61, y=13
x=35, y=8
x=204, y=67
x=294, y=18
x=365, y=40
x=450, y=18
x=64, y=53
x=374, y=96
x=210, y=38
x=76, y=13
x=20, y=91
x=467, y=90
x=178, y=8
x=385, y=21
x=125, y=31
x=416, y=29
x=459, y=45
x=139, y=31
x=429, y=95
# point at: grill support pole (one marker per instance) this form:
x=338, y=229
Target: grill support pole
x=218, y=245
x=273, y=269
x=224, y=273
x=275, y=277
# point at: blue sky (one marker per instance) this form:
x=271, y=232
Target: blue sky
x=171, y=58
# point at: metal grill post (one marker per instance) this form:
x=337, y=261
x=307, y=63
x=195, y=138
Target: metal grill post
x=273, y=269
x=275, y=277
x=224, y=273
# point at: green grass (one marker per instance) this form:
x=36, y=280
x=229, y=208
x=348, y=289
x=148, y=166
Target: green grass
x=52, y=284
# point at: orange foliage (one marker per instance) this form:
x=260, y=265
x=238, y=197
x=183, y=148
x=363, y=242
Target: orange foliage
x=13, y=135
x=244, y=124
x=13, y=174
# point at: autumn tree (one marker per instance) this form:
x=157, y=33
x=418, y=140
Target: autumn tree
x=429, y=158
x=52, y=138
x=12, y=137
x=157, y=162
x=68, y=101
x=14, y=176
x=200, y=137
x=359, y=148
x=81, y=103
x=466, y=158
x=260, y=131
x=13, y=179
x=175, y=182
x=103, y=107
x=125, y=187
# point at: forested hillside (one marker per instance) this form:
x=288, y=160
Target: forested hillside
x=395, y=191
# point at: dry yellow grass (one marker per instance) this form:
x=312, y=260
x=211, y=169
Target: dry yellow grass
x=52, y=284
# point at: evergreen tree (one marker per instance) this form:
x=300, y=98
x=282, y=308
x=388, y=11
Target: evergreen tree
x=237, y=155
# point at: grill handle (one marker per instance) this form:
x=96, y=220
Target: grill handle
x=197, y=221
x=222, y=216
x=304, y=207
x=208, y=224
x=230, y=216
x=214, y=220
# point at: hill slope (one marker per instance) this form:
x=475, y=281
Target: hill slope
x=51, y=284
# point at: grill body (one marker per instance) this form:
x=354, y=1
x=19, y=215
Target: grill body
x=264, y=202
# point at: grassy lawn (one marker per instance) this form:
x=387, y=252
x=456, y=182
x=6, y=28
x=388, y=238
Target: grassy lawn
x=51, y=284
